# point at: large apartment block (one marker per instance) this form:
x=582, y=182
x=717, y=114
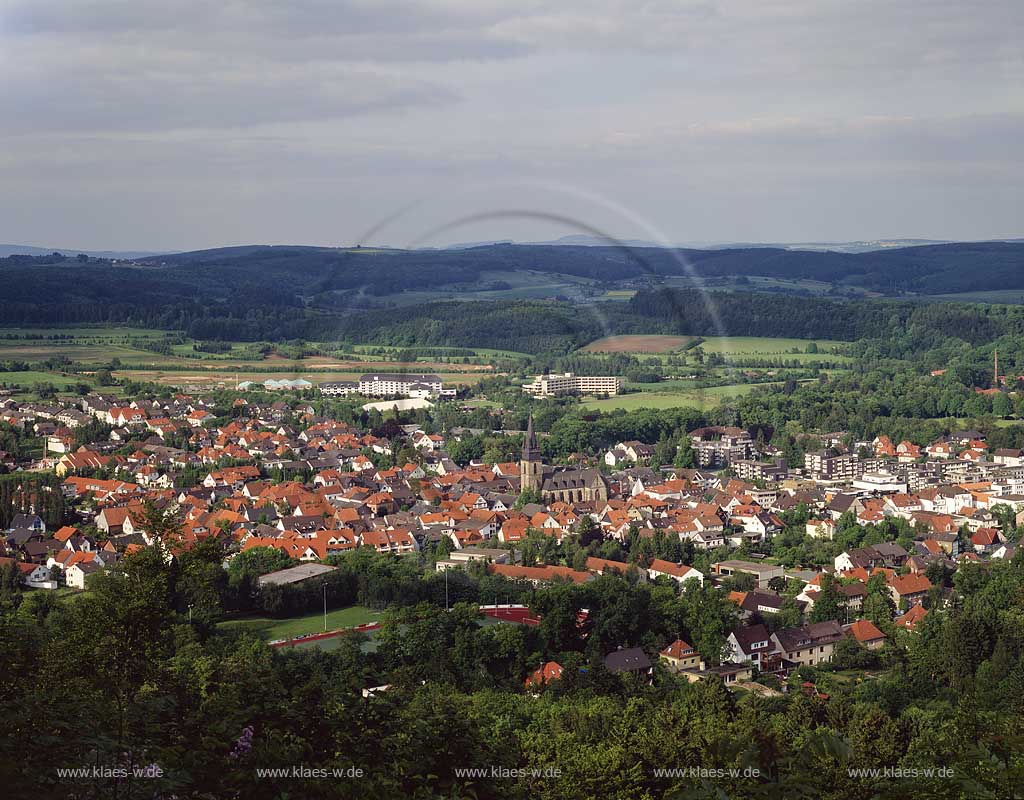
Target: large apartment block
x=382, y=384
x=567, y=383
x=830, y=465
x=720, y=446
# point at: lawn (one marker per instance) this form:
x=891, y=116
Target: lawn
x=273, y=629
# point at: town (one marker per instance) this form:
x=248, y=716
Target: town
x=507, y=401
x=875, y=531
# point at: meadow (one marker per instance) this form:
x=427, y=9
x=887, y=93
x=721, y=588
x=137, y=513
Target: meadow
x=704, y=399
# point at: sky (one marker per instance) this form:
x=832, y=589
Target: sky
x=144, y=124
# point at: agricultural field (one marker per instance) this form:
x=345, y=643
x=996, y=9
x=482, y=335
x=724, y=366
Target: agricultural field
x=367, y=351
x=518, y=285
x=99, y=347
x=704, y=399
x=756, y=346
x=654, y=343
x=655, y=346
x=34, y=378
x=997, y=296
x=271, y=629
x=761, y=283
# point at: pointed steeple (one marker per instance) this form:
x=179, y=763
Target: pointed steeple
x=530, y=450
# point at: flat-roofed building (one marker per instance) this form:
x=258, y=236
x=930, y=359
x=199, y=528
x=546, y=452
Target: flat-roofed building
x=303, y=572
x=567, y=383
x=339, y=388
x=763, y=572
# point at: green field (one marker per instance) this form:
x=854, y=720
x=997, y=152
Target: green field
x=85, y=332
x=753, y=346
x=31, y=379
x=274, y=629
x=1003, y=296
x=694, y=398
x=98, y=347
x=522, y=284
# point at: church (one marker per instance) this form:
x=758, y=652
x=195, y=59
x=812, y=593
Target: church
x=558, y=484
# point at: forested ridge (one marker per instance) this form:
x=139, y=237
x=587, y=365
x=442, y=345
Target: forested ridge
x=98, y=680
x=304, y=292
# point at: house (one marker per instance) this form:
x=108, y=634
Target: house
x=537, y=575
x=677, y=572
x=632, y=660
x=908, y=621
x=758, y=602
x=679, y=656
x=544, y=674
x=35, y=576
x=115, y=520
x=883, y=554
x=909, y=590
x=750, y=644
x=865, y=632
x=603, y=566
x=729, y=672
x=810, y=644
x=394, y=541
x=985, y=540
x=632, y=451
x=76, y=575
x=821, y=528
x=28, y=522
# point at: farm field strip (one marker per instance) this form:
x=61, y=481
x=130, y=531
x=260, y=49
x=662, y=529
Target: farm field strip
x=654, y=343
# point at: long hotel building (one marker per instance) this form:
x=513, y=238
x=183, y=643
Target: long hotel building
x=567, y=383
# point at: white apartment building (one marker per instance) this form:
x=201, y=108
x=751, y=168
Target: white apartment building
x=383, y=384
x=567, y=383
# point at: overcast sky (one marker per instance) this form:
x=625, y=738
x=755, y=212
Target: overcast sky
x=178, y=124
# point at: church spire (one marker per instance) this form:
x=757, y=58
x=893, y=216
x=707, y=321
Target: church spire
x=530, y=450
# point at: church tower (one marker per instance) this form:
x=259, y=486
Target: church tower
x=531, y=468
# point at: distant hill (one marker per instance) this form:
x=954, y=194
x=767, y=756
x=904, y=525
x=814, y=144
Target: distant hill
x=925, y=269
x=865, y=246
x=29, y=250
x=266, y=287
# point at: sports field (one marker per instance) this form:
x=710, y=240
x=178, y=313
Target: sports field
x=273, y=629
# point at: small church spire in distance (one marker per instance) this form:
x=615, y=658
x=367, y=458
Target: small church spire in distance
x=530, y=450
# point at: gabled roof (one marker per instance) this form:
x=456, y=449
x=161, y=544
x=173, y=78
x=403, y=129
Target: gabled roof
x=864, y=631
x=632, y=659
x=679, y=649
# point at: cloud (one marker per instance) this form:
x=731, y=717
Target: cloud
x=643, y=101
